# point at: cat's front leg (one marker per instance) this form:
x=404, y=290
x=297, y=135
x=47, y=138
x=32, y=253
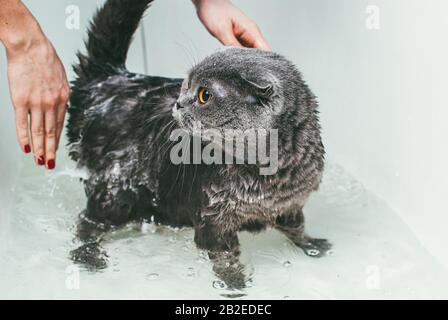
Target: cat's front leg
x=223, y=250
x=292, y=224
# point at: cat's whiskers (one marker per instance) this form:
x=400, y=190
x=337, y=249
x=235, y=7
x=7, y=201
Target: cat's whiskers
x=188, y=54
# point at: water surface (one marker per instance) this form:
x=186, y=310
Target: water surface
x=375, y=255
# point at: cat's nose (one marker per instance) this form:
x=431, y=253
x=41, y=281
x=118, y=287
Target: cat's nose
x=178, y=105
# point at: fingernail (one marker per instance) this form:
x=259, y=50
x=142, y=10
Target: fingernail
x=51, y=164
x=27, y=148
x=41, y=161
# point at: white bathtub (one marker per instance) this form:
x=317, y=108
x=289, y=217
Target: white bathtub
x=383, y=107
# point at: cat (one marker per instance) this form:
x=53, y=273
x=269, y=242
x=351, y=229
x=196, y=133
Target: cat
x=119, y=129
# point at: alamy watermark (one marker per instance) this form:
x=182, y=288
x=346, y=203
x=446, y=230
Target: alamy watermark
x=373, y=17
x=72, y=21
x=72, y=281
x=373, y=277
x=226, y=146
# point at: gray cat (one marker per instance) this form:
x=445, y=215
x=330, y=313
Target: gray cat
x=120, y=126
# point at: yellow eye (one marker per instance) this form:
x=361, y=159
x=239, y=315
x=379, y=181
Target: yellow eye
x=204, y=96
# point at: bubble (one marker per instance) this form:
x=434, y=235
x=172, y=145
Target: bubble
x=219, y=284
x=313, y=252
x=191, y=272
x=152, y=276
x=287, y=264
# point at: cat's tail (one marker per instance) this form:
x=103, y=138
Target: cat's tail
x=109, y=37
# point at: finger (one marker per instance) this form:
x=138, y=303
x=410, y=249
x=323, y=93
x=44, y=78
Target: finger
x=252, y=37
x=22, y=129
x=227, y=38
x=50, y=138
x=61, y=111
x=60, y=117
x=261, y=43
x=38, y=135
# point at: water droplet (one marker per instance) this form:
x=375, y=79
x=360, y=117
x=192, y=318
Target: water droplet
x=152, y=276
x=145, y=227
x=203, y=257
x=219, y=284
x=191, y=272
x=287, y=264
x=313, y=252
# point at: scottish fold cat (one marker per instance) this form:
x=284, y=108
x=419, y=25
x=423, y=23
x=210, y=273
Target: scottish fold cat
x=120, y=125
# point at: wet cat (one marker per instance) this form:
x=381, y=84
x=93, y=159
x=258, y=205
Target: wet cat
x=120, y=126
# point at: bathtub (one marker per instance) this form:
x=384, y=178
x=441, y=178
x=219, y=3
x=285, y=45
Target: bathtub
x=379, y=69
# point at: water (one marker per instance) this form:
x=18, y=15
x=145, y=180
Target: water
x=374, y=254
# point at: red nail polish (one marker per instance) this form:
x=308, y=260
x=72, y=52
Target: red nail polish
x=41, y=161
x=27, y=148
x=51, y=164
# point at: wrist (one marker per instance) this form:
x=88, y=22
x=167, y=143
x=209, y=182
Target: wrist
x=19, y=30
x=199, y=3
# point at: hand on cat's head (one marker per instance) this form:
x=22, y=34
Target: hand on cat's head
x=229, y=25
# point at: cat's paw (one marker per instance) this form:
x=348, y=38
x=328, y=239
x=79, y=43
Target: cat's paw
x=315, y=248
x=91, y=256
x=233, y=277
x=230, y=270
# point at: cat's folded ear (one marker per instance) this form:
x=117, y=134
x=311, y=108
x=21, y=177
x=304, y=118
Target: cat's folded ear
x=262, y=89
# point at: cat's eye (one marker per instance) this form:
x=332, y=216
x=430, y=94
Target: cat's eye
x=204, y=95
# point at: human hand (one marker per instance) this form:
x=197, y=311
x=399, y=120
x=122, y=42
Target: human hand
x=39, y=92
x=229, y=25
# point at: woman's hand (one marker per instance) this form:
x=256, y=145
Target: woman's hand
x=38, y=86
x=229, y=25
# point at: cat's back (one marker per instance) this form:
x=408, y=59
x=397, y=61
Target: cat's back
x=111, y=114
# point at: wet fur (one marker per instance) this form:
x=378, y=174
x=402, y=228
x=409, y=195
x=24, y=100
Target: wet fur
x=119, y=129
